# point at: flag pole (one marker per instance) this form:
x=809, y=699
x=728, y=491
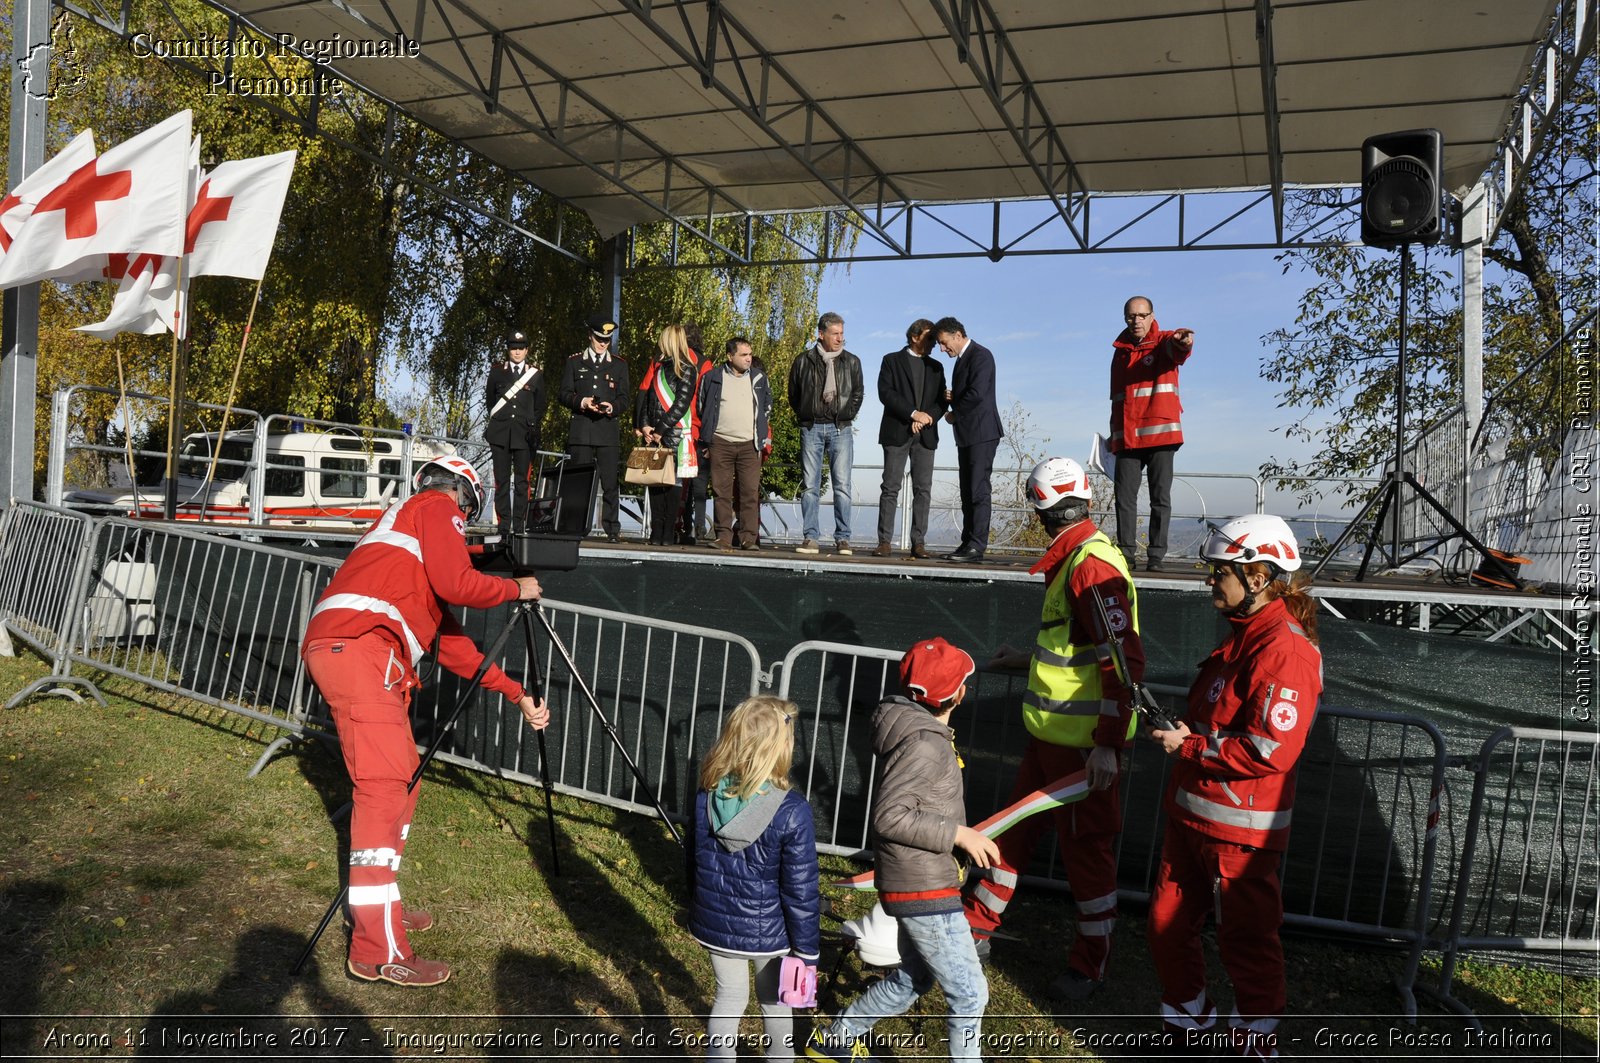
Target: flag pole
x=233, y=385
x=127, y=431
x=175, y=393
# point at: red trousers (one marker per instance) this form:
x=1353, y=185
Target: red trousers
x=367, y=684
x=1198, y=876
x=1087, y=831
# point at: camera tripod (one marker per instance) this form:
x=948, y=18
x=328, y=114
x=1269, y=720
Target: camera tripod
x=521, y=616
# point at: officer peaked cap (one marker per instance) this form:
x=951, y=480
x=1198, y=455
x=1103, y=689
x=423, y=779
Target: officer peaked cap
x=516, y=339
x=602, y=327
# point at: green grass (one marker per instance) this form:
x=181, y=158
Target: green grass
x=145, y=877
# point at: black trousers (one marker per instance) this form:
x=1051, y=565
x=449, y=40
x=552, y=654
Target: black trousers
x=692, y=518
x=511, y=470
x=664, y=503
x=605, y=467
x=976, y=468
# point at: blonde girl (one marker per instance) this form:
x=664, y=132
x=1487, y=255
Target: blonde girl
x=753, y=872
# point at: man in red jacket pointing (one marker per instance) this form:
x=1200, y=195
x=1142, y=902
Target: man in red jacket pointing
x=1145, y=427
x=383, y=608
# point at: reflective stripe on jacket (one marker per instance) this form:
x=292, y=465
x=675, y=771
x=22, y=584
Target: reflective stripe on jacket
x=1065, y=700
x=398, y=579
x=1250, y=711
x=1145, y=408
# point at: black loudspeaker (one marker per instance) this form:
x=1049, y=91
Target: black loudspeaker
x=1401, y=191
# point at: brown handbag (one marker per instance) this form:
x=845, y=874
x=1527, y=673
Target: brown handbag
x=651, y=466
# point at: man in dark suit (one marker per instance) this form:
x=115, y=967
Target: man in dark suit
x=911, y=388
x=594, y=386
x=515, y=400
x=978, y=432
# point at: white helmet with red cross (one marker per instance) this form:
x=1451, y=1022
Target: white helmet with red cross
x=1254, y=537
x=1054, y=479
x=455, y=472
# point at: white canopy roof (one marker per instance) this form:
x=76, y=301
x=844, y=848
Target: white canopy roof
x=638, y=109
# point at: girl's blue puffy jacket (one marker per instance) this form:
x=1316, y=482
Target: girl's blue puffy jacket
x=753, y=883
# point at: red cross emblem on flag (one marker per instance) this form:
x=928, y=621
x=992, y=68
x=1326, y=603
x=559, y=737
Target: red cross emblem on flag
x=207, y=208
x=80, y=195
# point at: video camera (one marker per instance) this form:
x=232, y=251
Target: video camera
x=557, y=520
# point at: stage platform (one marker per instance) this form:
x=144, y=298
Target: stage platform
x=1425, y=603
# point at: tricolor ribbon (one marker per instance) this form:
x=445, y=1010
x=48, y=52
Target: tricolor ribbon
x=1064, y=791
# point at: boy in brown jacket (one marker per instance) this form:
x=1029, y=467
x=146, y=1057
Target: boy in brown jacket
x=918, y=822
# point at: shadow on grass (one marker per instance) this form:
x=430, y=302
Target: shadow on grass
x=241, y=1015
x=28, y=911
x=579, y=1013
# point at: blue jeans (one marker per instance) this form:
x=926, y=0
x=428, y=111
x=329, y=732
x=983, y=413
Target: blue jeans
x=933, y=948
x=838, y=444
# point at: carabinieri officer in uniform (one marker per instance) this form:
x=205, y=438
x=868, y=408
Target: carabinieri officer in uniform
x=594, y=386
x=515, y=399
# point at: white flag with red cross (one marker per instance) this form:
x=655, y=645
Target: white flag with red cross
x=148, y=300
x=17, y=207
x=234, y=221
x=133, y=198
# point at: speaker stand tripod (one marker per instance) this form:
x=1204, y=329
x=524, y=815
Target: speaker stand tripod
x=1389, y=499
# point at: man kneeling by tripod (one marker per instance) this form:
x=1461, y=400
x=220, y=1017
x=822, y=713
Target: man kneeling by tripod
x=367, y=634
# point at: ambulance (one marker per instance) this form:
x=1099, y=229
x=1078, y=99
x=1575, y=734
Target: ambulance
x=312, y=479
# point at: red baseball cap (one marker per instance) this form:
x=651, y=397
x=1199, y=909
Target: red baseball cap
x=932, y=671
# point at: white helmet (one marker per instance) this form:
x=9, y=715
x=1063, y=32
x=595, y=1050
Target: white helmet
x=877, y=937
x=1054, y=479
x=457, y=472
x=1254, y=537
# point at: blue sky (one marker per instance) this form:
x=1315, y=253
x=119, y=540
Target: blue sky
x=1050, y=321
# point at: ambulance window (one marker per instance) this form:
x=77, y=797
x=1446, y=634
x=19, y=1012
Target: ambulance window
x=388, y=472
x=376, y=446
x=344, y=477
x=195, y=459
x=286, y=481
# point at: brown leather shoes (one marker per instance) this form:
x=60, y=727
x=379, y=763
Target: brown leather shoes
x=415, y=972
x=919, y=551
x=883, y=550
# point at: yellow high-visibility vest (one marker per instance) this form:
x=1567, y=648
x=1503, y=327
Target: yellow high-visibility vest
x=1064, y=701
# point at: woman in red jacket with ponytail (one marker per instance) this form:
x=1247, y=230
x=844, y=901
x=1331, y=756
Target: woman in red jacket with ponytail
x=1231, y=792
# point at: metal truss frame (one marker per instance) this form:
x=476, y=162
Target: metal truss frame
x=730, y=59
x=306, y=112
x=1570, y=41
x=1548, y=622
x=984, y=46
x=708, y=228
x=1108, y=223
x=874, y=220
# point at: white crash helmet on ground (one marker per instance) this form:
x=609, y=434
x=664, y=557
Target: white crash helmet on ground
x=1054, y=479
x=877, y=937
x=456, y=472
x=1254, y=537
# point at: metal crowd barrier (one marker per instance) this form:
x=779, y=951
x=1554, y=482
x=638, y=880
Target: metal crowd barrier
x=663, y=686
x=1361, y=857
x=44, y=570
x=220, y=621
x=217, y=620
x=1529, y=878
